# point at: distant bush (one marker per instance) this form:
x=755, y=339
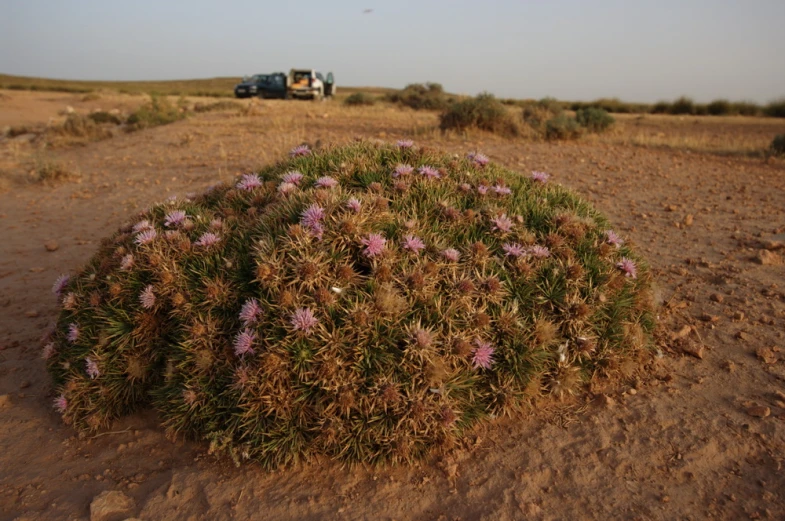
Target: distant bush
x=91, y=96
x=562, y=127
x=683, y=105
x=614, y=105
x=661, y=107
x=360, y=98
x=720, y=107
x=218, y=106
x=78, y=127
x=594, y=119
x=419, y=96
x=776, y=109
x=483, y=112
x=101, y=116
x=157, y=111
x=746, y=108
x=48, y=171
x=19, y=131
x=777, y=147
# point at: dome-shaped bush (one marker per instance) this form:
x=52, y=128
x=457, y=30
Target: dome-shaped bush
x=367, y=303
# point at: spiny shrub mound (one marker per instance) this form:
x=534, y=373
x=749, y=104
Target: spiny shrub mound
x=594, y=119
x=419, y=96
x=777, y=147
x=483, y=112
x=360, y=98
x=367, y=303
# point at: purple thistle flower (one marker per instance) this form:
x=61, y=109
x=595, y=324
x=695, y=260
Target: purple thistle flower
x=73, y=332
x=249, y=182
x=465, y=187
x=216, y=224
x=300, y=151
x=208, y=239
x=326, y=182
x=172, y=235
x=429, y=172
x=451, y=254
x=293, y=177
x=539, y=252
x=61, y=404
x=243, y=342
x=482, y=354
x=402, y=170
x=513, y=249
x=540, y=177
x=374, y=244
x=48, y=351
x=354, y=204
x=502, y=223
x=142, y=226
x=286, y=188
x=147, y=297
x=316, y=230
x=413, y=244
x=303, y=320
x=146, y=237
x=482, y=189
x=612, y=238
x=60, y=284
x=312, y=215
x=628, y=267
x=127, y=262
x=502, y=190
x=175, y=218
x=404, y=143
x=422, y=337
x=250, y=312
x=92, y=368
x=69, y=301
x=479, y=159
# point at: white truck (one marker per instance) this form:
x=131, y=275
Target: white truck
x=309, y=84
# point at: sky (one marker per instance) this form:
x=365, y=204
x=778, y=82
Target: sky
x=635, y=50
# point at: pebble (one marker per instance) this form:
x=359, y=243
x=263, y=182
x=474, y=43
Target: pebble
x=51, y=246
x=5, y=401
x=716, y=297
x=768, y=258
x=759, y=411
x=111, y=505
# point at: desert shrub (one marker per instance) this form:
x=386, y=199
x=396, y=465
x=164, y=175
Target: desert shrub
x=78, y=128
x=369, y=303
x=594, y=119
x=428, y=96
x=91, y=96
x=483, y=112
x=777, y=147
x=562, y=127
x=661, y=107
x=720, y=107
x=223, y=105
x=746, y=108
x=101, y=116
x=700, y=109
x=360, y=98
x=157, y=111
x=776, y=109
x=49, y=171
x=19, y=130
x=683, y=105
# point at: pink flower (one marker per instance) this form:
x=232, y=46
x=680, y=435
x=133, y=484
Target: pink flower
x=513, y=249
x=413, y=244
x=539, y=252
x=628, y=267
x=48, y=351
x=479, y=159
x=250, y=312
x=208, y=239
x=147, y=297
x=354, y=204
x=243, y=342
x=303, y=320
x=286, y=188
x=465, y=187
x=502, y=223
x=249, y=182
x=69, y=301
x=482, y=189
x=312, y=215
x=146, y=237
x=60, y=284
x=92, y=368
x=216, y=224
x=61, y=404
x=293, y=177
x=175, y=218
x=429, y=172
x=326, y=182
x=422, y=337
x=300, y=151
x=502, y=190
x=142, y=226
x=612, y=238
x=402, y=170
x=73, y=332
x=374, y=244
x=404, y=143
x=451, y=254
x=127, y=262
x=482, y=354
x=540, y=177
x=316, y=230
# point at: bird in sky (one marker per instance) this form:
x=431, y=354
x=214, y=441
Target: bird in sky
x=367, y=11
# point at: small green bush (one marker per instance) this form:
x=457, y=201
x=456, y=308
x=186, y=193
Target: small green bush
x=79, y=128
x=720, y=107
x=683, y=105
x=419, y=96
x=661, y=107
x=360, y=98
x=101, y=116
x=594, y=119
x=483, y=112
x=223, y=105
x=776, y=109
x=19, y=130
x=562, y=127
x=157, y=111
x=777, y=147
x=746, y=108
x=368, y=303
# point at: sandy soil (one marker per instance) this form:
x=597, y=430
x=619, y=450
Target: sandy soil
x=697, y=434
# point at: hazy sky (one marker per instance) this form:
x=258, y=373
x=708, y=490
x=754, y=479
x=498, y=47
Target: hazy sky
x=570, y=49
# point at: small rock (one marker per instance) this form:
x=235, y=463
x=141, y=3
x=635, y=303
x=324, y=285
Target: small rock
x=728, y=366
x=111, y=505
x=739, y=315
x=759, y=411
x=688, y=220
x=692, y=349
x=683, y=332
x=716, y=297
x=633, y=392
x=768, y=258
x=741, y=335
x=33, y=313
x=51, y=246
x=709, y=318
x=5, y=401
x=766, y=355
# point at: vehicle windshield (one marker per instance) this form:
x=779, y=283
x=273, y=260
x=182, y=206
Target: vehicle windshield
x=259, y=78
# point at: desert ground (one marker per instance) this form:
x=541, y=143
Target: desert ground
x=696, y=433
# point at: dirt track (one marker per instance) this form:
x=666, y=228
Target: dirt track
x=683, y=439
